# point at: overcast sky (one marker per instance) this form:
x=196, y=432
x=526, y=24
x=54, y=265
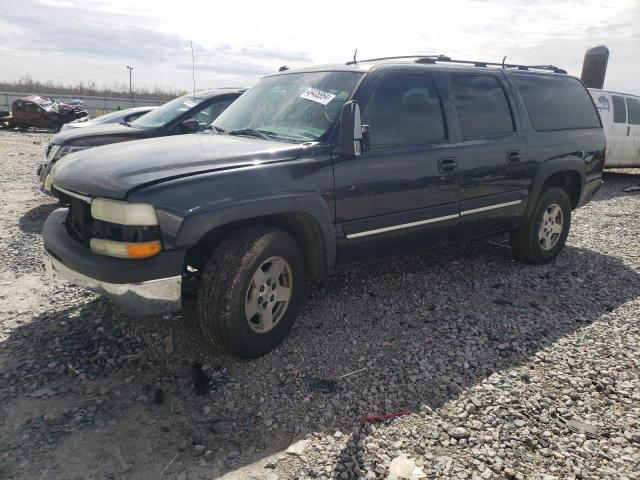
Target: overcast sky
x=237, y=42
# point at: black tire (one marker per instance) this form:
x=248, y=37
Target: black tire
x=225, y=283
x=525, y=243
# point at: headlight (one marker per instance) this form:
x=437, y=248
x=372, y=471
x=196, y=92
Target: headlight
x=61, y=151
x=130, y=223
x=52, y=152
x=47, y=183
x=123, y=213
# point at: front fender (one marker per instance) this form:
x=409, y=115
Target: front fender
x=199, y=222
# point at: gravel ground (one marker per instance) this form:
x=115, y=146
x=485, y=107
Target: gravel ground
x=506, y=370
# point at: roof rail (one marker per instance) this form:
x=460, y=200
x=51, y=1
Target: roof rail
x=443, y=58
x=354, y=61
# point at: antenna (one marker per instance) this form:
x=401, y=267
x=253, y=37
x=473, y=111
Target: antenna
x=193, y=72
x=503, y=60
x=354, y=56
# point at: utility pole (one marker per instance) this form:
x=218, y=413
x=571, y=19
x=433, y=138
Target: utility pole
x=193, y=71
x=130, y=84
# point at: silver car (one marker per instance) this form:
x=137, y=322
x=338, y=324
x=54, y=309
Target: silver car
x=119, y=116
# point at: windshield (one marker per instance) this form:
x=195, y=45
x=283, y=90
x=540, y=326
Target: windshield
x=167, y=112
x=297, y=107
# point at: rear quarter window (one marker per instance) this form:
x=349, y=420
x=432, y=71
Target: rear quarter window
x=557, y=103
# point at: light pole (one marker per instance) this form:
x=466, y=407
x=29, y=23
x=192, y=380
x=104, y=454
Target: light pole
x=130, y=87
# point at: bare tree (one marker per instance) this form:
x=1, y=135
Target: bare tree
x=27, y=84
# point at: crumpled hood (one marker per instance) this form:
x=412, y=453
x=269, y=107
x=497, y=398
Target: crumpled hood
x=114, y=170
x=97, y=134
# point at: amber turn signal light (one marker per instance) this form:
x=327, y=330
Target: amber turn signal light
x=143, y=250
x=134, y=250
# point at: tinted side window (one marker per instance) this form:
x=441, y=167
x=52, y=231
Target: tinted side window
x=619, y=109
x=219, y=107
x=404, y=110
x=133, y=116
x=481, y=104
x=557, y=103
x=208, y=114
x=633, y=104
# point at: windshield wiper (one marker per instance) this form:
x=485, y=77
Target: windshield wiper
x=216, y=128
x=264, y=134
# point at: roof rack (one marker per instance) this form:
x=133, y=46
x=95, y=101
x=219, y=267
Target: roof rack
x=443, y=58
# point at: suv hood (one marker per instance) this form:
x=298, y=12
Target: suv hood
x=95, y=135
x=112, y=171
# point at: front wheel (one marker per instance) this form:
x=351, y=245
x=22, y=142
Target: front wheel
x=543, y=237
x=251, y=290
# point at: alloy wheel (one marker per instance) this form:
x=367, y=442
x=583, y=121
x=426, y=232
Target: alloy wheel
x=551, y=226
x=268, y=295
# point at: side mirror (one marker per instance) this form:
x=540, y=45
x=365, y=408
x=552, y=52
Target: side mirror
x=350, y=130
x=191, y=125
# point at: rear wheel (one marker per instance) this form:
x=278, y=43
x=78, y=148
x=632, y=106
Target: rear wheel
x=543, y=237
x=250, y=291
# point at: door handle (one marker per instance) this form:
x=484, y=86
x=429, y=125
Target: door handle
x=447, y=165
x=628, y=130
x=514, y=157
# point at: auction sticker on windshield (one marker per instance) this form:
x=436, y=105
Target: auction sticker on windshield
x=317, y=95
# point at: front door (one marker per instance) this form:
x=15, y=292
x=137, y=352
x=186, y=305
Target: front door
x=396, y=196
x=632, y=144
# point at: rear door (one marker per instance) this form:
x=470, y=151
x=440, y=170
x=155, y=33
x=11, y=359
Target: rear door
x=394, y=196
x=490, y=153
x=632, y=144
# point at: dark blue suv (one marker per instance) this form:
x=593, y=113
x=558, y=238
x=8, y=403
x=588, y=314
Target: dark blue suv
x=317, y=169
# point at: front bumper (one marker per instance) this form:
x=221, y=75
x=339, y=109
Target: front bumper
x=145, y=298
x=146, y=287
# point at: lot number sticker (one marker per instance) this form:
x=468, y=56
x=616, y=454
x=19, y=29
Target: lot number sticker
x=317, y=95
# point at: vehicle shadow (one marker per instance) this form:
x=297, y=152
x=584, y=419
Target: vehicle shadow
x=33, y=220
x=425, y=327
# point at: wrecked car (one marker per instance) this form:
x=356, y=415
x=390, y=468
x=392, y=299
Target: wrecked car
x=40, y=112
